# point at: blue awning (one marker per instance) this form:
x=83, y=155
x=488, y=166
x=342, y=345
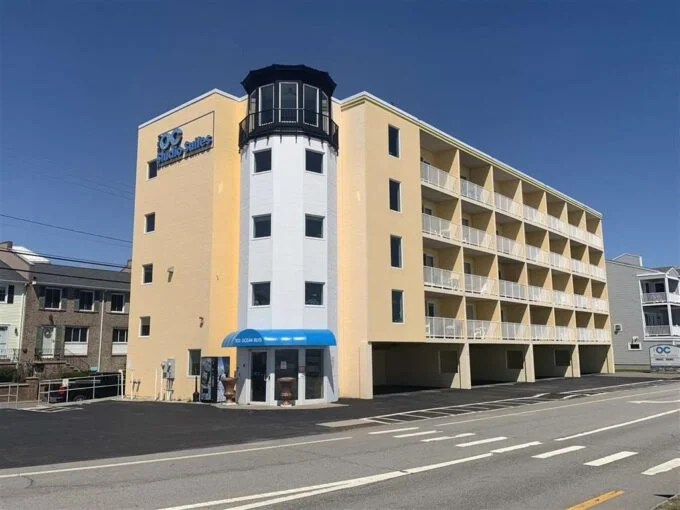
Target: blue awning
x=279, y=338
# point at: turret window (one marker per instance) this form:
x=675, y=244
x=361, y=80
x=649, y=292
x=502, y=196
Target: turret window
x=288, y=101
x=311, y=105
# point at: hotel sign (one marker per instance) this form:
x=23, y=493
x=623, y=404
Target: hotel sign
x=664, y=356
x=171, y=150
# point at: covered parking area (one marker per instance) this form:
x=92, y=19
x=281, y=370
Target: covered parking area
x=496, y=363
x=556, y=361
x=596, y=359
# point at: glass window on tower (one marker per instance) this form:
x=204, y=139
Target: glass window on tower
x=310, y=101
x=266, y=115
x=288, y=101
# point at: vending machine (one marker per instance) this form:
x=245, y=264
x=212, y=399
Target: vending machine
x=213, y=371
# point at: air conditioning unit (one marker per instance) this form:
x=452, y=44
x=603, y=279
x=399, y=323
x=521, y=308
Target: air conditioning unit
x=617, y=328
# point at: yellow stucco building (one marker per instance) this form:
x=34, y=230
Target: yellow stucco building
x=351, y=247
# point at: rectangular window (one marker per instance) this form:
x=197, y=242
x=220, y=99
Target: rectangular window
x=72, y=334
x=288, y=101
x=261, y=293
x=393, y=141
x=145, y=326
x=119, y=336
x=194, y=362
x=266, y=104
x=151, y=169
x=86, y=301
x=147, y=273
x=398, y=306
x=52, y=298
x=313, y=293
x=310, y=104
x=314, y=161
x=634, y=346
x=262, y=226
x=515, y=359
x=395, y=251
x=263, y=161
x=117, y=303
x=149, y=222
x=325, y=111
x=448, y=362
x=3, y=294
x=314, y=226
x=395, y=195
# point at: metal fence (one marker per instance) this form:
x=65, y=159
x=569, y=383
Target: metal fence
x=77, y=389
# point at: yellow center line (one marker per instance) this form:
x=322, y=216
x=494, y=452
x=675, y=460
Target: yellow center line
x=597, y=500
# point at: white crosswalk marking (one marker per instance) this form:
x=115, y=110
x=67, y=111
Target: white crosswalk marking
x=442, y=438
x=662, y=468
x=482, y=441
x=610, y=458
x=423, y=433
x=558, y=452
x=516, y=447
x=393, y=430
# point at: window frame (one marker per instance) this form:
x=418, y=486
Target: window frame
x=80, y=300
x=252, y=294
x=149, y=164
x=141, y=325
x=255, y=154
x=297, y=102
x=257, y=217
x=5, y=294
x=113, y=335
x=389, y=193
x=146, y=222
x=58, y=307
x=262, y=110
x=636, y=349
x=315, y=217
x=317, y=153
x=323, y=292
x=122, y=295
x=393, y=129
x=144, y=268
x=400, y=264
x=305, y=87
x=189, y=363
x=399, y=292
x=71, y=329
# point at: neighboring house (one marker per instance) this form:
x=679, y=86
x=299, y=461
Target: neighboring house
x=75, y=318
x=12, y=292
x=644, y=306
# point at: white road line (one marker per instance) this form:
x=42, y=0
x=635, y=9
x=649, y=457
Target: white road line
x=662, y=468
x=170, y=459
x=393, y=430
x=618, y=425
x=482, y=441
x=610, y=458
x=654, y=401
x=442, y=438
x=586, y=390
x=516, y=447
x=414, y=434
x=558, y=452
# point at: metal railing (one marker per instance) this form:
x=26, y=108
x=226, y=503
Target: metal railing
x=534, y=215
x=9, y=354
x=439, y=227
x=437, y=178
x=481, y=285
x=512, y=290
x=514, y=331
x=594, y=239
x=443, y=327
x=475, y=192
x=563, y=299
x=483, y=330
x=660, y=297
x=559, y=261
x=509, y=246
x=74, y=389
x=557, y=224
x=288, y=121
x=598, y=272
x=541, y=332
x=579, y=267
x=600, y=305
x=662, y=330
x=507, y=204
x=581, y=301
x=476, y=237
x=537, y=255
x=9, y=393
x=564, y=334
x=539, y=294
x=441, y=278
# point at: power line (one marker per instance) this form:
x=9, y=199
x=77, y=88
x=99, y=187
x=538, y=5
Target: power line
x=64, y=275
x=72, y=236
x=66, y=229
x=64, y=258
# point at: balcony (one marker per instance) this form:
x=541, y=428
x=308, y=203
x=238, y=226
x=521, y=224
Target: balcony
x=660, y=297
x=542, y=333
x=437, y=178
x=563, y=299
x=582, y=302
x=535, y=254
x=664, y=330
x=558, y=261
x=434, y=277
x=481, y=285
x=514, y=331
x=8, y=354
x=600, y=305
x=476, y=237
x=539, y=294
x=557, y=225
x=579, y=267
x=564, y=334
x=512, y=290
x=601, y=335
x=594, y=240
x=535, y=216
x=475, y=192
x=585, y=335
x=598, y=272
x=440, y=228
x=119, y=348
x=509, y=246
x=507, y=205
x=443, y=327
x=578, y=234
x=482, y=330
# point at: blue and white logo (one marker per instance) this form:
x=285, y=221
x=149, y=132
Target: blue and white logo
x=170, y=147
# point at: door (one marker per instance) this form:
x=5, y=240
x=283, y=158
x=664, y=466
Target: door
x=48, y=341
x=285, y=365
x=3, y=342
x=428, y=260
x=430, y=309
x=314, y=374
x=258, y=376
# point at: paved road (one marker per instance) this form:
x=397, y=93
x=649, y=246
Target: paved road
x=623, y=446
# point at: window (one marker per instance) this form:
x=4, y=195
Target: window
x=288, y=101
x=393, y=141
x=151, y=169
x=147, y=274
x=562, y=358
x=117, y=303
x=150, y=222
x=395, y=251
x=634, y=346
x=310, y=101
x=314, y=161
x=448, y=362
x=395, y=195
x=398, y=306
x=430, y=309
x=145, y=326
x=72, y=334
x=119, y=336
x=86, y=301
x=266, y=104
x=3, y=294
x=313, y=293
x=52, y=298
x=428, y=260
x=325, y=111
x=194, y=362
x=261, y=293
x=515, y=360
x=262, y=226
x=263, y=161
x=314, y=226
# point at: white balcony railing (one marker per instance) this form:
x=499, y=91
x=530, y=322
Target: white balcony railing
x=477, y=237
x=581, y=301
x=119, y=348
x=508, y=205
x=509, y=246
x=564, y=334
x=441, y=278
x=537, y=255
x=578, y=233
x=538, y=294
x=514, y=331
x=660, y=297
x=512, y=290
x=483, y=330
x=437, y=178
x=600, y=305
x=535, y=216
x=481, y=285
x=663, y=330
x=584, y=335
x=559, y=261
x=540, y=332
x=439, y=228
x=601, y=335
x=598, y=272
x=562, y=298
x=594, y=240
x=557, y=224
x=579, y=267
x=443, y=327
x=475, y=192
x=9, y=354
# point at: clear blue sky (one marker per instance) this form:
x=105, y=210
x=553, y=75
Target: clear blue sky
x=582, y=95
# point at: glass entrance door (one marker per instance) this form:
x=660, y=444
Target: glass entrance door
x=313, y=374
x=258, y=376
x=286, y=365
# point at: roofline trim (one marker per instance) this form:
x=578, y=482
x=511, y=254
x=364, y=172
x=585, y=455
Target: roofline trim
x=357, y=98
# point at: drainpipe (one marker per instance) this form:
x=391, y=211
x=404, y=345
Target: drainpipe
x=21, y=323
x=101, y=332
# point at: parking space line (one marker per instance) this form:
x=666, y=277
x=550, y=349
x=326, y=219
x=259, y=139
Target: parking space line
x=608, y=387
x=393, y=430
x=516, y=447
x=618, y=425
x=423, y=433
x=442, y=438
x=610, y=458
x=662, y=468
x=561, y=451
x=482, y=441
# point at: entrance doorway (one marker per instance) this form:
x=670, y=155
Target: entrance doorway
x=286, y=365
x=259, y=377
x=314, y=374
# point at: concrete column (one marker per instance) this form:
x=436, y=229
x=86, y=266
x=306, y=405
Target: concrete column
x=575, y=368
x=529, y=368
x=608, y=365
x=366, y=371
x=464, y=373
